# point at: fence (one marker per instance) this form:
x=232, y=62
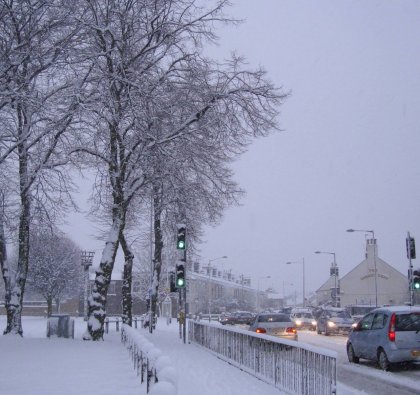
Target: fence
x=291, y=366
x=118, y=322
x=153, y=368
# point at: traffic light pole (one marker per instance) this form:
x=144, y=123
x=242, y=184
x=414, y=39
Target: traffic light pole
x=181, y=279
x=410, y=269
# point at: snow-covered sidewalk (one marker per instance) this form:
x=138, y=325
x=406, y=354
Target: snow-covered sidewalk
x=36, y=365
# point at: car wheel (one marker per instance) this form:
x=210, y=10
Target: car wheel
x=326, y=333
x=383, y=360
x=318, y=330
x=351, y=355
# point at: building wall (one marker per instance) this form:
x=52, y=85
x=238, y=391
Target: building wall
x=358, y=286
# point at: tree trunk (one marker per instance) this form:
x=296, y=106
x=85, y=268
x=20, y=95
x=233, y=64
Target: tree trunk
x=127, y=298
x=49, y=306
x=157, y=256
x=14, y=301
x=97, y=299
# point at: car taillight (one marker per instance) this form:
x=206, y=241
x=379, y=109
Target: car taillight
x=291, y=330
x=260, y=330
x=391, y=329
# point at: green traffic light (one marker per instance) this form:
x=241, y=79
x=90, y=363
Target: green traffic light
x=181, y=245
x=417, y=285
x=180, y=282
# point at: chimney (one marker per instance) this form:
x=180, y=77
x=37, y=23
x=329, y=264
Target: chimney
x=371, y=249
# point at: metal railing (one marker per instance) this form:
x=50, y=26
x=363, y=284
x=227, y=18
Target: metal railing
x=148, y=362
x=294, y=367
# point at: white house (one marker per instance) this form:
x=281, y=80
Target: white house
x=372, y=282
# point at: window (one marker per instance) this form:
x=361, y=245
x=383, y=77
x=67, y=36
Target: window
x=407, y=322
x=379, y=321
x=366, y=323
x=274, y=318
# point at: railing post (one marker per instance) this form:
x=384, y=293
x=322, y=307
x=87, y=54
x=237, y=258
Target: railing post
x=106, y=325
x=117, y=325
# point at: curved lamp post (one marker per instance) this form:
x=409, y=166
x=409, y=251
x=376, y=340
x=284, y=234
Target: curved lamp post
x=258, y=291
x=303, y=279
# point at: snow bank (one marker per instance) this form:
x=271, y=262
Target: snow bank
x=146, y=355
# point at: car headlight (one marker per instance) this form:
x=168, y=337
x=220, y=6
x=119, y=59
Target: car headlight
x=331, y=324
x=313, y=323
x=354, y=324
x=298, y=322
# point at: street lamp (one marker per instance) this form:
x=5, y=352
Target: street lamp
x=303, y=279
x=209, y=282
x=87, y=258
x=258, y=291
x=335, y=272
x=374, y=259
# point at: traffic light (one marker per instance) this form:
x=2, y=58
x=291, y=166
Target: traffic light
x=416, y=280
x=180, y=241
x=411, y=248
x=180, y=276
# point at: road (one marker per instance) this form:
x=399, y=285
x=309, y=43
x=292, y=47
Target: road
x=366, y=376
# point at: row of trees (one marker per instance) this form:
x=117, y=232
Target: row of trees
x=120, y=88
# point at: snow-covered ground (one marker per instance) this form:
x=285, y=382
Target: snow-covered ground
x=35, y=365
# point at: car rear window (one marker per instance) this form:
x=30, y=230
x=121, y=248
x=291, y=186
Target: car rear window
x=407, y=322
x=274, y=318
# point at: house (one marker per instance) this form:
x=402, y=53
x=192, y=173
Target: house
x=362, y=287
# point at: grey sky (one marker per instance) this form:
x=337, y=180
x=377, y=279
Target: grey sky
x=349, y=153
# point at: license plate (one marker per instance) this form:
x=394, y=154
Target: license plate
x=415, y=353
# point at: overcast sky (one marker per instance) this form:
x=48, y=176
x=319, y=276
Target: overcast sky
x=349, y=153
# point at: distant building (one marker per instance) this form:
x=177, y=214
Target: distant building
x=360, y=287
x=216, y=291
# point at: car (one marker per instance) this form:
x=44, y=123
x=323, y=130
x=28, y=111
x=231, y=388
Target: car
x=304, y=319
x=275, y=324
x=334, y=320
x=386, y=335
x=237, y=318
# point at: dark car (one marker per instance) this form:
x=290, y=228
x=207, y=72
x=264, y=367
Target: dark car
x=387, y=335
x=334, y=321
x=237, y=318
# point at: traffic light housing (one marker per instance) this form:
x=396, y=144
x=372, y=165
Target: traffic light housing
x=180, y=276
x=180, y=240
x=416, y=280
x=411, y=248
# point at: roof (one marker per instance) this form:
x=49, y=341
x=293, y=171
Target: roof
x=399, y=309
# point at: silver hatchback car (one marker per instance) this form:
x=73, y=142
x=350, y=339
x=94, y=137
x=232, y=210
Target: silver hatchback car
x=387, y=335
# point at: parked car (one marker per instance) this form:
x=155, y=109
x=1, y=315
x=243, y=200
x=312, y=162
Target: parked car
x=387, y=335
x=238, y=317
x=335, y=321
x=303, y=319
x=275, y=324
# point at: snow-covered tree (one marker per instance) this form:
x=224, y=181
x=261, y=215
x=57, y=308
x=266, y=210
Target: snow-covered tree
x=39, y=97
x=54, y=266
x=147, y=69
